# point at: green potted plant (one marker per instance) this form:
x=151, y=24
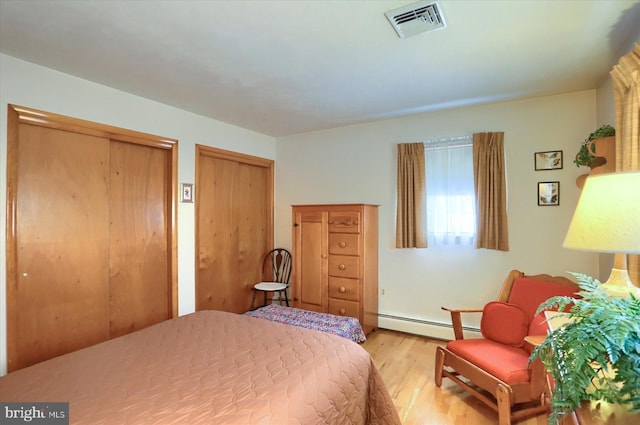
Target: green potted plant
x=595, y=355
x=586, y=158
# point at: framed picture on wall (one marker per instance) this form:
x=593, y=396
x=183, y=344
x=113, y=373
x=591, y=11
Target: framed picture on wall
x=187, y=192
x=548, y=193
x=550, y=160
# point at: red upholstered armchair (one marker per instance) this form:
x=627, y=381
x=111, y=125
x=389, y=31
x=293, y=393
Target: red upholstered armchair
x=494, y=368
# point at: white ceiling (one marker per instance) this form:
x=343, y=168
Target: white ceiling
x=286, y=67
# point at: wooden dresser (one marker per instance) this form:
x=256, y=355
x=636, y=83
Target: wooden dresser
x=335, y=260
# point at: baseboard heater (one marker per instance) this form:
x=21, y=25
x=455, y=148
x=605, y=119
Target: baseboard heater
x=423, y=325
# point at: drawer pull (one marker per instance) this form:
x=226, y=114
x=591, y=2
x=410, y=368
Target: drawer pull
x=342, y=267
x=342, y=244
x=343, y=311
x=344, y=222
x=343, y=289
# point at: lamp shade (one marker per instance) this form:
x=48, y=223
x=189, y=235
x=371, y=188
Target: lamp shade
x=607, y=217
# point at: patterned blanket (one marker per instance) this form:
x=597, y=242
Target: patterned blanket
x=346, y=327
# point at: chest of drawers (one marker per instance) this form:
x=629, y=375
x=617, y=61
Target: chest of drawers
x=335, y=257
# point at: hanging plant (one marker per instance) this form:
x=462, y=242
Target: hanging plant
x=586, y=158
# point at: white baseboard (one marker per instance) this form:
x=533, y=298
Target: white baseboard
x=427, y=328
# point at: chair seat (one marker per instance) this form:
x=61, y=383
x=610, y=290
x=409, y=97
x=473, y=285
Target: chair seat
x=270, y=286
x=505, y=362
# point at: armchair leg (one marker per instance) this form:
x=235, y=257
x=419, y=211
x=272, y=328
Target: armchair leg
x=439, y=366
x=503, y=397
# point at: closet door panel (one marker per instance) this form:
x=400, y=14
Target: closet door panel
x=218, y=283
x=59, y=300
x=140, y=291
x=251, y=211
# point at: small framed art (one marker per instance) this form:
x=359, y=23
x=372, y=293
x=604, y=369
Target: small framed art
x=550, y=160
x=548, y=193
x=186, y=192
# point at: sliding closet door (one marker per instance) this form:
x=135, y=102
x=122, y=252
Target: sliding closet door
x=58, y=302
x=234, y=227
x=91, y=242
x=140, y=288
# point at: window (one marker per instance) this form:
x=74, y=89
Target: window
x=451, y=217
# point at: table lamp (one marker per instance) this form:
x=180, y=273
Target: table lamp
x=607, y=220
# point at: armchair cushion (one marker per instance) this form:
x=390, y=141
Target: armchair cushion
x=529, y=293
x=504, y=323
x=505, y=362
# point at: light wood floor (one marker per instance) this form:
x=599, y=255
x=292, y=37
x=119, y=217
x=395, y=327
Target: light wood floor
x=406, y=363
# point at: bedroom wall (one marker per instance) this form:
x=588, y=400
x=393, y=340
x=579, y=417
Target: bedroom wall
x=26, y=84
x=351, y=164
x=358, y=164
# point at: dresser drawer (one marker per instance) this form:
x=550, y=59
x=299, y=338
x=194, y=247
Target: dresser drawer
x=344, y=266
x=344, y=222
x=344, y=243
x=344, y=308
x=344, y=289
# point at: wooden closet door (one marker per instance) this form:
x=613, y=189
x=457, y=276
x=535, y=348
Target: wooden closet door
x=76, y=198
x=58, y=301
x=234, y=227
x=140, y=286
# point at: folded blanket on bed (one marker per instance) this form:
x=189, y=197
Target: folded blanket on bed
x=346, y=327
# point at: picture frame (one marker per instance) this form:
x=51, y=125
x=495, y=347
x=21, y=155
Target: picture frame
x=548, y=194
x=186, y=191
x=549, y=160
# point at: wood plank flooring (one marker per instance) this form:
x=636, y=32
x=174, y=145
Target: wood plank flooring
x=406, y=363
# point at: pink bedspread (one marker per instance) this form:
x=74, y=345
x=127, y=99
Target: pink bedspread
x=212, y=367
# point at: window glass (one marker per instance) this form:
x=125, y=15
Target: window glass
x=451, y=217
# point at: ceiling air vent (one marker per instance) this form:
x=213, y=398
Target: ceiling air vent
x=416, y=18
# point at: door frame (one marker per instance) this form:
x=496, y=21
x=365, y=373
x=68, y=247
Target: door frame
x=17, y=115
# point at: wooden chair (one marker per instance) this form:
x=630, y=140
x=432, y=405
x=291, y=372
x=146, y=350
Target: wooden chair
x=494, y=368
x=276, y=272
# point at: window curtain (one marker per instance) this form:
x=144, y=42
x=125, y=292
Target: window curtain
x=626, y=94
x=491, y=191
x=450, y=196
x=411, y=206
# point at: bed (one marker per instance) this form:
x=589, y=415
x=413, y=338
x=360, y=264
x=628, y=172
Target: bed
x=212, y=367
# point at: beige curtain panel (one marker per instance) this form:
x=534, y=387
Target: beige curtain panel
x=626, y=94
x=411, y=205
x=491, y=191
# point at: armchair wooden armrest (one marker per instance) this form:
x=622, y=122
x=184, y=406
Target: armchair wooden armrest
x=456, y=319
